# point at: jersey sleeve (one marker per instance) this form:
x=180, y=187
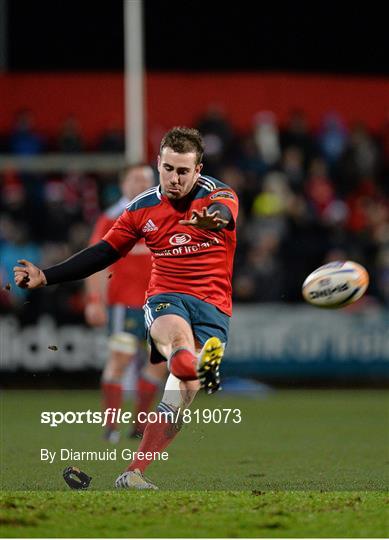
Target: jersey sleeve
x=228, y=197
x=123, y=234
x=102, y=226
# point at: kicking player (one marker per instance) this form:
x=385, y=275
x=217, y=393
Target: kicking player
x=188, y=223
x=123, y=291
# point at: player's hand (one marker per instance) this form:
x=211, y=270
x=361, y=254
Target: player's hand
x=96, y=314
x=29, y=276
x=204, y=219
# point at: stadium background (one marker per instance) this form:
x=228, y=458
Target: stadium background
x=303, y=139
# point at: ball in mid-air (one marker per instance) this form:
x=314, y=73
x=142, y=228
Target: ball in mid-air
x=336, y=284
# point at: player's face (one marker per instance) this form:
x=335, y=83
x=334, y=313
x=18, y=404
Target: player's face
x=136, y=181
x=178, y=173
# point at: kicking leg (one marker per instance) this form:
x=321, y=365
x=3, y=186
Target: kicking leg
x=174, y=339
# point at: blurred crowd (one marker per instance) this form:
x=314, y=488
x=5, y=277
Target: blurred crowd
x=25, y=139
x=307, y=197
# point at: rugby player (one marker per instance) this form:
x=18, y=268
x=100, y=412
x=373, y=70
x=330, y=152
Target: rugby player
x=188, y=223
x=122, y=288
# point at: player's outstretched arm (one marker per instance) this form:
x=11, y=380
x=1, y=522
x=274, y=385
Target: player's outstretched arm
x=79, y=266
x=215, y=217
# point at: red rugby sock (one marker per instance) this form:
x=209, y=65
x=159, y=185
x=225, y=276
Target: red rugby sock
x=183, y=365
x=112, y=398
x=146, y=392
x=157, y=436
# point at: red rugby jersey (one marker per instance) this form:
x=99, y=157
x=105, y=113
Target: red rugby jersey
x=185, y=259
x=130, y=274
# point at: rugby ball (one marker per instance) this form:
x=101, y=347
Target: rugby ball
x=336, y=284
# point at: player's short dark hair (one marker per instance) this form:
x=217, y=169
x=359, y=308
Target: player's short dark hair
x=183, y=140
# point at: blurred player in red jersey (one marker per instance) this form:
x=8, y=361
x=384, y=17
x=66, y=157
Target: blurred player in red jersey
x=188, y=222
x=122, y=288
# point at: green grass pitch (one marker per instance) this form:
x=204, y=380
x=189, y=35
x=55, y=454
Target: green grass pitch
x=301, y=463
